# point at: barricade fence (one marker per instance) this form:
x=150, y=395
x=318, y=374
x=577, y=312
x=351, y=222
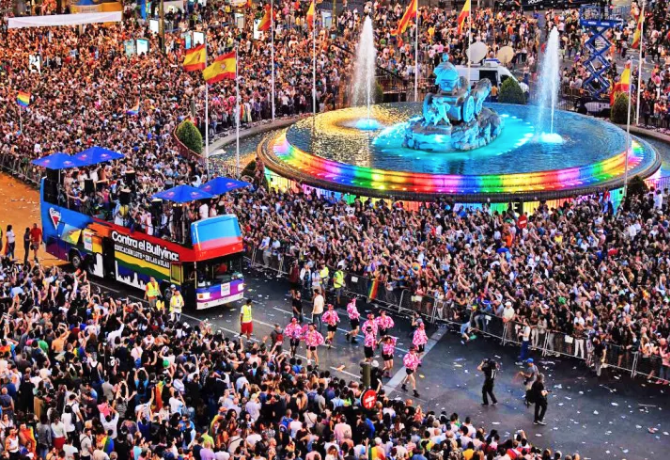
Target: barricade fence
x=20, y=167
x=466, y=322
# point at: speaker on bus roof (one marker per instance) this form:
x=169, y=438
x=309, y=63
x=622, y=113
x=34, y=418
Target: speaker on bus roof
x=124, y=196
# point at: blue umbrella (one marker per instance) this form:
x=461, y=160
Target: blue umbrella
x=182, y=194
x=95, y=155
x=58, y=160
x=222, y=185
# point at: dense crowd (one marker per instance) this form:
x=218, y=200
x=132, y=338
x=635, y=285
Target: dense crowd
x=89, y=376
x=578, y=270
x=85, y=372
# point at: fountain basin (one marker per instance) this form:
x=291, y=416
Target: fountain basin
x=513, y=166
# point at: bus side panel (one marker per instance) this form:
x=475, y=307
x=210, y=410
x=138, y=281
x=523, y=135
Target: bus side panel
x=136, y=272
x=62, y=229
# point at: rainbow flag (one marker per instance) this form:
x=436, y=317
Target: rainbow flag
x=374, y=287
x=464, y=14
x=407, y=18
x=134, y=110
x=23, y=99
x=376, y=453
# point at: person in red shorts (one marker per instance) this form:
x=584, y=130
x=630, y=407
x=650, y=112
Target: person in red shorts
x=35, y=239
x=246, y=321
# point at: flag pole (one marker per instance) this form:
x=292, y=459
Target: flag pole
x=467, y=54
x=629, y=144
x=639, y=72
x=206, y=121
x=272, y=54
x=416, y=55
x=314, y=73
x=237, y=115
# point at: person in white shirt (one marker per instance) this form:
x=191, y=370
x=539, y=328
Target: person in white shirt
x=110, y=422
x=176, y=402
x=204, y=210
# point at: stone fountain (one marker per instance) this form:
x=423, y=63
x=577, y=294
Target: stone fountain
x=454, y=118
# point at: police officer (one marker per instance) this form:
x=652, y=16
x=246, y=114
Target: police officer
x=489, y=367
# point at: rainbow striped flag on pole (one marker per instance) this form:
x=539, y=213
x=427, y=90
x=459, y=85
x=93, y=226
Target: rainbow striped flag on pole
x=374, y=287
x=23, y=99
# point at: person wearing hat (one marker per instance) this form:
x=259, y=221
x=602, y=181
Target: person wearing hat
x=246, y=320
x=411, y=362
x=529, y=375
x=176, y=304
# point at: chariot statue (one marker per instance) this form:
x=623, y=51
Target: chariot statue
x=454, y=117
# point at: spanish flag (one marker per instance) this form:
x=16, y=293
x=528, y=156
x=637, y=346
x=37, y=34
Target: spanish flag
x=310, y=15
x=407, y=18
x=195, y=58
x=464, y=14
x=224, y=67
x=637, y=36
x=623, y=85
x=23, y=99
x=266, y=22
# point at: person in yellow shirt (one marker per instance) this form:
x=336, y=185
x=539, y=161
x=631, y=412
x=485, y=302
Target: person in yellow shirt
x=176, y=304
x=246, y=320
x=151, y=292
x=338, y=285
x=160, y=304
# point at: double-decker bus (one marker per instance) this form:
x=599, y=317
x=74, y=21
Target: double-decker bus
x=206, y=265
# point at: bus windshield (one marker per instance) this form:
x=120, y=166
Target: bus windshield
x=220, y=270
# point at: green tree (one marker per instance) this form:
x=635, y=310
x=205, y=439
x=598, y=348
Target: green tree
x=190, y=136
x=619, y=114
x=511, y=92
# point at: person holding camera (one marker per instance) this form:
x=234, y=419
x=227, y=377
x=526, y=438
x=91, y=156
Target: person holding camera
x=490, y=368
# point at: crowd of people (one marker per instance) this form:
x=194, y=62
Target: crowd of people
x=90, y=376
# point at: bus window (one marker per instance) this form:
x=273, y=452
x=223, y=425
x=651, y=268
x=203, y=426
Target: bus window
x=220, y=270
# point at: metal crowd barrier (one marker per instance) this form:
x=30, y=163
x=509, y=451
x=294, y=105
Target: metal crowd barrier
x=21, y=168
